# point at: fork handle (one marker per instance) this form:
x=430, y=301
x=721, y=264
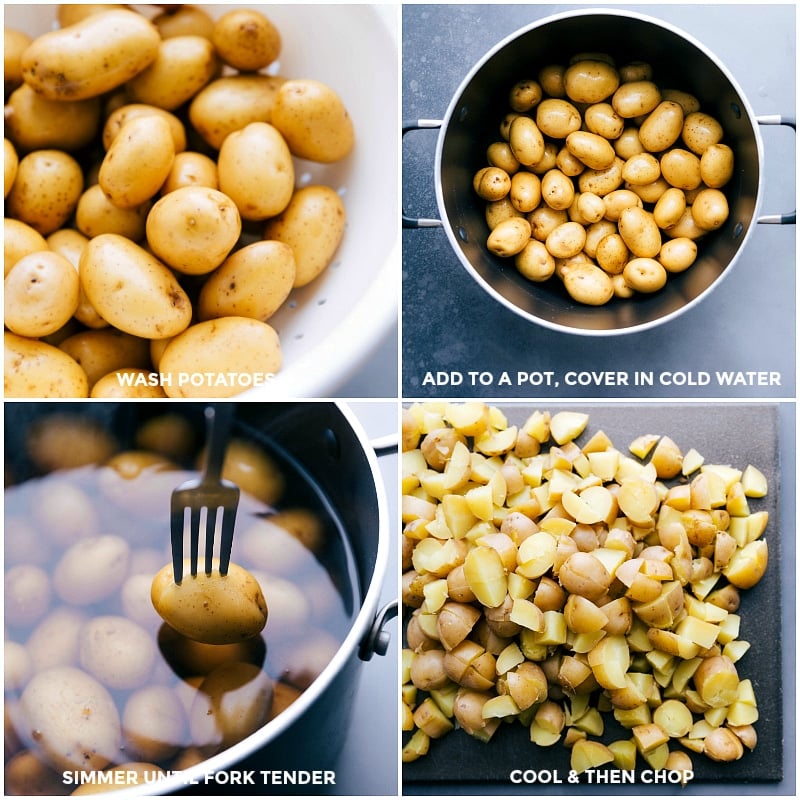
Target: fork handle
x=219, y=422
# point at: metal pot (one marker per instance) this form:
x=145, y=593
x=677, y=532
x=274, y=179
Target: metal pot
x=325, y=445
x=471, y=122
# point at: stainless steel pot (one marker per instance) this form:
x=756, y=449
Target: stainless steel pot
x=471, y=122
x=326, y=445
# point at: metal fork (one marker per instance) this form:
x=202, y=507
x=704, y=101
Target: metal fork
x=206, y=497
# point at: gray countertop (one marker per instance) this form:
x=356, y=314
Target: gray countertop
x=744, y=324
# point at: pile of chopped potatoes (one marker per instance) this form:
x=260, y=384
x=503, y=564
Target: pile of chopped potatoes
x=555, y=583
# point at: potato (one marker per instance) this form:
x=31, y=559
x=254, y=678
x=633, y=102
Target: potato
x=153, y=724
x=588, y=284
x=636, y=98
x=499, y=154
x=67, y=441
x=601, y=181
x=557, y=118
x=41, y=294
x=256, y=171
x=312, y=224
x=131, y=289
x=614, y=203
x=525, y=191
x=662, y=128
x=19, y=239
x=14, y=45
x=535, y=262
x=131, y=111
x=116, y=651
x=509, y=237
x=246, y=40
x=526, y=141
x=72, y=718
x=184, y=21
x=214, y=608
x=627, y=143
x=92, y=569
x=600, y=118
x=231, y=102
x=28, y=775
x=493, y=183
x=557, y=190
x=314, y=121
x=710, y=209
x=27, y=593
x=220, y=358
x=128, y=382
x=645, y=275
x=641, y=169
x=233, y=702
x=678, y=254
x=669, y=207
x=37, y=123
x=524, y=95
x=681, y=169
x=46, y=190
x=138, y=161
x=192, y=229
x=566, y=240
x=716, y=165
x=591, y=149
x=253, y=471
x=700, y=131
x=590, y=81
x=91, y=57
x=184, y=65
x=612, y=254
x=639, y=231
x=253, y=282
x=191, y=169
x=36, y=369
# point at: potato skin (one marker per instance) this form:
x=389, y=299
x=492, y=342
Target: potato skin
x=36, y=369
x=313, y=226
x=314, y=121
x=132, y=290
x=246, y=40
x=214, y=609
x=91, y=57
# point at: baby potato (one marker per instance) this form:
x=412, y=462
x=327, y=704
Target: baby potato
x=641, y=169
x=27, y=594
x=272, y=548
x=35, y=123
x=639, y=231
x=716, y=165
x=153, y=723
x=524, y=95
x=184, y=65
x=233, y=702
x=252, y=282
x=29, y=776
x=509, y=237
x=612, y=254
x=36, y=369
x=499, y=154
x=19, y=239
x=662, y=128
x=193, y=229
x=645, y=275
x=678, y=254
x=40, y=294
x=687, y=101
x=116, y=651
x=46, y=190
x=312, y=224
x=591, y=149
x=237, y=345
x=91, y=57
x=614, y=203
x=601, y=181
x=131, y=289
x=256, y=171
x=700, y=131
x=588, y=284
x=493, y=183
x=246, y=40
x=600, y=118
x=191, y=169
x=681, y=168
x=96, y=214
x=253, y=471
x=558, y=191
x=566, y=240
x=710, y=209
x=526, y=141
x=591, y=207
x=636, y=98
x=92, y=569
x=231, y=102
x=128, y=382
x=130, y=111
x=54, y=641
x=686, y=227
x=669, y=208
x=15, y=43
x=313, y=120
x=590, y=81
x=138, y=161
x=627, y=144
x=68, y=441
x=568, y=164
x=500, y=210
x=557, y=118
x=213, y=608
x=525, y=192
x=183, y=20
x=72, y=718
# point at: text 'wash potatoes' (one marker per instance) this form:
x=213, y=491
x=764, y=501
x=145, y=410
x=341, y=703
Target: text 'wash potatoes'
x=560, y=581
x=604, y=177
x=156, y=216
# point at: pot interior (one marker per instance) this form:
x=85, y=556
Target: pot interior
x=326, y=472
x=472, y=123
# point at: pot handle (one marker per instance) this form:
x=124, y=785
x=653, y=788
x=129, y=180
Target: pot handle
x=377, y=639
x=791, y=217
x=415, y=125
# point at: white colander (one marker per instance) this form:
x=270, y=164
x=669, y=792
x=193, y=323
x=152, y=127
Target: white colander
x=329, y=328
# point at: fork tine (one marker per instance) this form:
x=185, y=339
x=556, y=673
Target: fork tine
x=226, y=541
x=211, y=525
x=194, y=539
x=176, y=536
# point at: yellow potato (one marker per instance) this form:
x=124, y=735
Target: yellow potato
x=566, y=240
x=193, y=229
x=627, y=144
x=544, y=219
x=499, y=154
x=636, y=98
x=130, y=111
x=19, y=239
x=128, y=382
x=46, y=191
x=535, y=262
x=526, y=141
x=557, y=118
x=716, y=165
x=231, y=102
x=558, y=191
x=313, y=226
x=509, y=237
x=70, y=13
x=590, y=81
x=639, y=231
x=138, y=161
x=687, y=101
x=592, y=149
x=131, y=289
x=588, y=284
x=700, y=131
x=313, y=119
x=590, y=207
x=601, y=181
x=645, y=275
x=493, y=183
x=191, y=169
x=37, y=123
x=246, y=40
x=524, y=95
x=40, y=294
x=498, y=211
x=252, y=282
x=220, y=358
x=105, y=350
x=710, y=209
x=91, y=57
x=612, y=254
x=551, y=78
x=662, y=128
x=256, y=171
x=184, y=65
x=525, y=192
x=678, y=254
x=614, y=203
x=600, y=118
x=641, y=169
x=686, y=227
x=681, y=168
x=36, y=369
x=96, y=214
x=14, y=45
x=10, y=164
x=215, y=609
x=669, y=207
x=184, y=21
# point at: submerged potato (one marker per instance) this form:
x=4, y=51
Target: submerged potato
x=215, y=609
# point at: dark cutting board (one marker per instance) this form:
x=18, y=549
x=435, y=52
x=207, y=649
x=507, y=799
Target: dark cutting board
x=725, y=433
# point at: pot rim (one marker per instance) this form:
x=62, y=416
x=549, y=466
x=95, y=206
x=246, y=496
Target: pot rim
x=350, y=646
x=590, y=11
